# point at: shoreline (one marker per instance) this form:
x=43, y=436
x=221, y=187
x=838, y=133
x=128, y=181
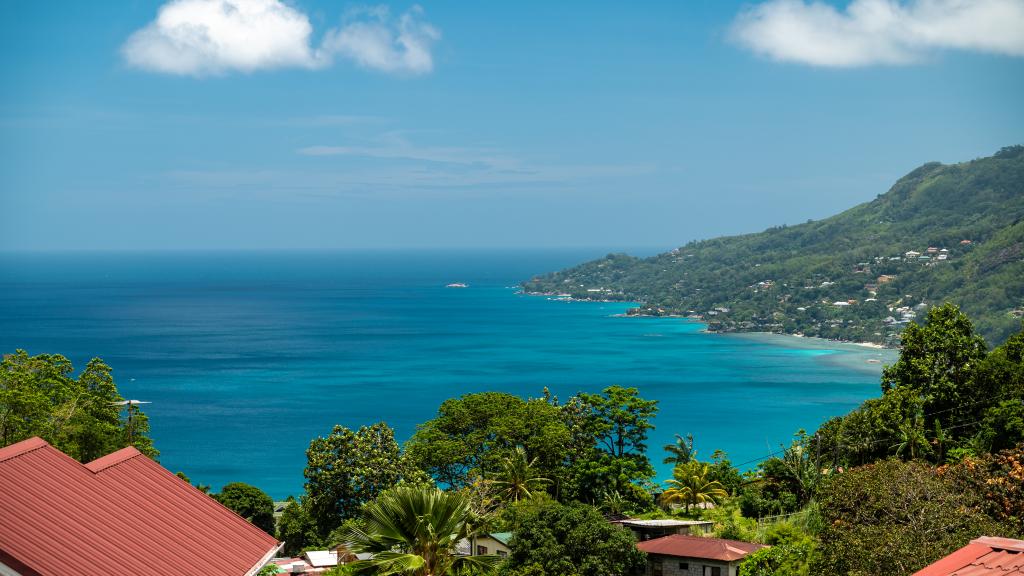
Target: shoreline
x=860, y=356
x=698, y=318
x=867, y=357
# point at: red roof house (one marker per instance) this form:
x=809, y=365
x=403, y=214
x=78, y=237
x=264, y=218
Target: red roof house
x=120, y=514
x=985, y=556
x=685, y=555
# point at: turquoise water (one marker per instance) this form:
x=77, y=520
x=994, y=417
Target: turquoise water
x=246, y=357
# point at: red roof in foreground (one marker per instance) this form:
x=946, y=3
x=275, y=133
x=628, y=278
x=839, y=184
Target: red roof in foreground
x=984, y=556
x=120, y=514
x=698, y=547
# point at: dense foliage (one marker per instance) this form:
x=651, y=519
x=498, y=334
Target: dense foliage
x=848, y=276
x=348, y=468
x=296, y=528
x=83, y=417
x=946, y=397
x=416, y=531
x=250, y=503
x=473, y=434
x=592, y=444
x=896, y=517
x=553, y=539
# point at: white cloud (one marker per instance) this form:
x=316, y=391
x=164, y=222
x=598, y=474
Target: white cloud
x=213, y=36
x=871, y=32
x=206, y=37
x=381, y=43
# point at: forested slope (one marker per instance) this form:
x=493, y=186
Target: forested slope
x=941, y=233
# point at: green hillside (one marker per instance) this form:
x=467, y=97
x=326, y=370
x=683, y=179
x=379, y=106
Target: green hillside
x=941, y=233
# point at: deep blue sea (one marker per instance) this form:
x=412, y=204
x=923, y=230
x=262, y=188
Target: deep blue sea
x=247, y=356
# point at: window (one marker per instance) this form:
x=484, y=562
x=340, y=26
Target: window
x=712, y=571
x=481, y=550
x=502, y=554
x=684, y=565
x=656, y=568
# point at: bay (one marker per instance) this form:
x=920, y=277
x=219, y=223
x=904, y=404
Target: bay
x=247, y=356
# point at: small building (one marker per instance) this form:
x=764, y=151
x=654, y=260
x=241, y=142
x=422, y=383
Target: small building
x=493, y=543
x=985, y=556
x=119, y=514
x=652, y=529
x=911, y=254
x=679, y=555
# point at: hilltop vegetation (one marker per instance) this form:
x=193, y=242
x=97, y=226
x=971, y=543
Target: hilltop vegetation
x=941, y=233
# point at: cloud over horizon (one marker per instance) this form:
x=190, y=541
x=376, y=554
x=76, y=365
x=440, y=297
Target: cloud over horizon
x=879, y=32
x=212, y=37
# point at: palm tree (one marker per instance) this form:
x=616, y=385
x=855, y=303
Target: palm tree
x=516, y=480
x=691, y=486
x=913, y=441
x=681, y=451
x=613, y=503
x=415, y=532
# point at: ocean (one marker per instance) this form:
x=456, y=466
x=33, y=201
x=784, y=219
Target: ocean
x=248, y=356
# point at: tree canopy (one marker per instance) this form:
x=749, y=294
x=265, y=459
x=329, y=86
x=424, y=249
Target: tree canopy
x=250, y=503
x=348, y=468
x=552, y=539
x=82, y=417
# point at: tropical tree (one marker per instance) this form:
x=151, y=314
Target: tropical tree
x=39, y=396
x=613, y=503
x=516, y=479
x=608, y=449
x=552, y=539
x=348, y=468
x=691, y=486
x=471, y=435
x=250, y=503
x=939, y=361
x=296, y=528
x=681, y=451
x=913, y=443
x=415, y=531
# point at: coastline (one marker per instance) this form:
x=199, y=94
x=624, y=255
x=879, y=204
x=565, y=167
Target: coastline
x=861, y=356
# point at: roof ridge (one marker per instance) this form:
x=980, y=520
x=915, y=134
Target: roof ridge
x=23, y=447
x=113, y=459
x=1000, y=543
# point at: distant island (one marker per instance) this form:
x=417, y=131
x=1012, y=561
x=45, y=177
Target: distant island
x=942, y=233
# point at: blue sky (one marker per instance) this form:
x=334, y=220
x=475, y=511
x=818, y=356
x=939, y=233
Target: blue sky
x=332, y=125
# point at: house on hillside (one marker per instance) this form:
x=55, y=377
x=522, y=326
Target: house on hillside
x=494, y=543
x=911, y=254
x=120, y=514
x=985, y=556
x=679, y=555
x=652, y=529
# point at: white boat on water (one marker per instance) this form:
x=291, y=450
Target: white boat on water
x=457, y=285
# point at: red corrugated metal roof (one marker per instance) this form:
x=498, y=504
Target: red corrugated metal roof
x=120, y=514
x=985, y=556
x=698, y=547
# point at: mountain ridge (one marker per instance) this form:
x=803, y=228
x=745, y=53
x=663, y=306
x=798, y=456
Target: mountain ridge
x=942, y=232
